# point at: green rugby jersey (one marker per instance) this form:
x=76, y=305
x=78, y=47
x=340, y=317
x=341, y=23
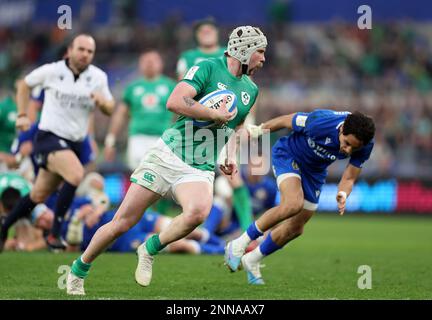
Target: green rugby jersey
x=8, y=115
x=146, y=100
x=192, y=57
x=201, y=147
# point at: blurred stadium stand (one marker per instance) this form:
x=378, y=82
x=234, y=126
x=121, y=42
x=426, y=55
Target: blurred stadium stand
x=317, y=58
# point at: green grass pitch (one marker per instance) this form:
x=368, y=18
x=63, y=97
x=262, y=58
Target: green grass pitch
x=322, y=264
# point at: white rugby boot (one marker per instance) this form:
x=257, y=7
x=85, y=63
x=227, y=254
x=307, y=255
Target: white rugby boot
x=74, y=285
x=252, y=269
x=143, y=272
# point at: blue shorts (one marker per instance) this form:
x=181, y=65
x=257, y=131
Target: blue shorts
x=86, y=154
x=285, y=165
x=46, y=142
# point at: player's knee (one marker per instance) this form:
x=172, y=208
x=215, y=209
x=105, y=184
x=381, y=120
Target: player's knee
x=196, y=214
x=75, y=177
x=287, y=210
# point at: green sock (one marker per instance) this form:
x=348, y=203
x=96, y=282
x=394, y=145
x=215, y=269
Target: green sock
x=243, y=207
x=153, y=245
x=80, y=269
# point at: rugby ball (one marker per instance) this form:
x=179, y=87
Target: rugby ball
x=214, y=100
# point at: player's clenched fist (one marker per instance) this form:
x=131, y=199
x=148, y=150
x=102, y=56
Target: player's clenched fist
x=229, y=168
x=222, y=115
x=22, y=122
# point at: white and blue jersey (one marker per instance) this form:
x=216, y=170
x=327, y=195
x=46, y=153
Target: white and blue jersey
x=310, y=148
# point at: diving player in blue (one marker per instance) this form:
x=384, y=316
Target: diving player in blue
x=300, y=162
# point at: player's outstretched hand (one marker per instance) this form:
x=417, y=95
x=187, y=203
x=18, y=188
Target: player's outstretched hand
x=229, y=168
x=222, y=115
x=23, y=122
x=341, y=200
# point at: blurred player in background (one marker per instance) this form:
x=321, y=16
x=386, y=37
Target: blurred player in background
x=241, y=198
x=262, y=187
x=84, y=219
x=144, y=105
x=11, y=180
x=12, y=188
x=73, y=88
x=23, y=144
x=206, y=35
x=8, y=115
x=300, y=162
x=171, y=167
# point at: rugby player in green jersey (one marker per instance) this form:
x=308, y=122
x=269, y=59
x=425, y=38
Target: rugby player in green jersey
x=207, y=38
x=144, y=104
x=181, y=163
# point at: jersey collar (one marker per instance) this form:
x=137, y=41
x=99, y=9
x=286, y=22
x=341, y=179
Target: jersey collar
x=76, y=76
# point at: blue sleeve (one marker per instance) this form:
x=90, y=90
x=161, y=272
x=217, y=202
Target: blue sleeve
x=299, y=121
x=29, y=134
x=318, y=122
x=359, y=157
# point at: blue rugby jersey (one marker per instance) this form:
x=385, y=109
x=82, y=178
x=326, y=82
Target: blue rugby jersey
x=314, y=140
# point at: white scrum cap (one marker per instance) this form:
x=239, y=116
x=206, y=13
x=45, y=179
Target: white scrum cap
x=244, y=41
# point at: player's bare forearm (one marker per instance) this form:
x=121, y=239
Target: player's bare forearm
x=279, y=123
x=233, y=143
x=229, y=154
x=34, y=107
x=107, y=106
x=22, y=97
x=348, y=179
x=118, y=119
x=232, y=147
x=181, y=102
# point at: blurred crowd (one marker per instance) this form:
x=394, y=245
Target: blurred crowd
x=385, y=72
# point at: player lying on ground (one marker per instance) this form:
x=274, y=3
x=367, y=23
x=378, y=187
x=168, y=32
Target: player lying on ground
x=171, y=166
x=84, y=219
x=300, y=162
